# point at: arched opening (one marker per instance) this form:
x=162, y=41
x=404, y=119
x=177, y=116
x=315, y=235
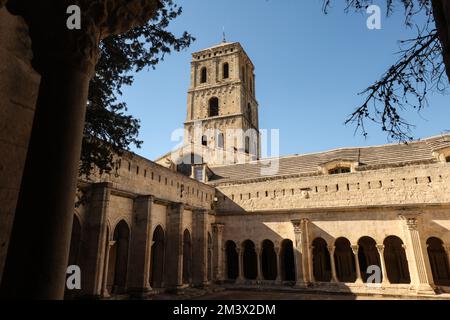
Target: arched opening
x=250, y=260
x=395, y=258
x=220, y=141
x=226, y=70
x=75, y=242
x=321, y=261
x=187, y=257
x=213, y=107
x=367, y=256
x=345, y=261
x=204, y=75
x=210, y=262
x=269, y=260
x=157, y=258
x=287, y=261
x=247, y=144
x=204, y=141
x=118, y=258
x=438, y=261
x=232, y=260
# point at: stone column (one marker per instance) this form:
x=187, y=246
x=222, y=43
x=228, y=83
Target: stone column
x=421, y=276
x=140, y=245
x=218, y=252
x=174, y=244
x=105, y=292
x=279, y=279
x=300, y=252
x=385, y=280
x=65, y=59
x=95, y=243
x=259, y=274
x=333, y=264
x=240, y=253
x=355, y=248
x=200, y=248
x=310, y=261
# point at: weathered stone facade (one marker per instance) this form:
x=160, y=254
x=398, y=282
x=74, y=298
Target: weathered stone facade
x=325, y=221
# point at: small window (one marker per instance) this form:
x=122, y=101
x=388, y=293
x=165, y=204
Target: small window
x=339, y=170
x=220, y=141
x=226, y=70
x=447, y=159
x=204, y=141
x=243, y=74
x=204, y=75
x=249, y=112
x=214, y=107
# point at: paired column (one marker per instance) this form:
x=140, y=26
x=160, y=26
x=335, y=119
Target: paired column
x=419, y=267
x=358, y=269
x=333, y=264
x=259, y=275
x=200, y=248
x=105, y=292
x=385, y=280
x=218, y=251
x=174, y=253
x=279, y=278
x=240, y=253
x=301, y=254
x=140, y=244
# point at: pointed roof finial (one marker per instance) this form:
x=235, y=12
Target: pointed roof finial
x=223, y=35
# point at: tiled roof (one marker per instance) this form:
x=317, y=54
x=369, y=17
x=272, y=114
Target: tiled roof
x=367, y=157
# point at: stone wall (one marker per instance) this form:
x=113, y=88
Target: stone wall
x=19, y=85
x=422, y=184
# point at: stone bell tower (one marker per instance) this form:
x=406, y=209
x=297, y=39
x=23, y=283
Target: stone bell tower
x=222, y=111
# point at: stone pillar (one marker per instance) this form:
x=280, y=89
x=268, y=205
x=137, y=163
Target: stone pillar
x=218, y=251
x=310, y=260
x=19, y=85
x=333, y=264
x=279, y=279
x=240, y=253
x=421, y=276
x=174, y=254
x=65, y=59
x=259, y=273
x=355, y=248
x=385, y=280
x=94, y=255
x=104, y=292
x=301, y=252
x=200, y=248
x=140, y=244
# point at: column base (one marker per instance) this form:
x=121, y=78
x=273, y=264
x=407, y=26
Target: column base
x=140, y=293
x=425, y=288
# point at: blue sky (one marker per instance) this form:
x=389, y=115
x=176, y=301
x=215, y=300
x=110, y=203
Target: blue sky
x=309, y=70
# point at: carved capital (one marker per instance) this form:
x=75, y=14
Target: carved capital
x=380, y=248
x=411, y=220
x=298, y=225
x=355, y=248
x=331, y=249
x=217, y=228
x=55, y=46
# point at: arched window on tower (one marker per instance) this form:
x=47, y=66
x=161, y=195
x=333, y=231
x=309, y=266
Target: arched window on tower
x=243, y=74
x=220, y=141
x=213, y=107
x=249, y=112
x=226, y=70
x=204, y=75
x=247, y=144
x=204, y=141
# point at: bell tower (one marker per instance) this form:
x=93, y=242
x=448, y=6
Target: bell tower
x=222, y=105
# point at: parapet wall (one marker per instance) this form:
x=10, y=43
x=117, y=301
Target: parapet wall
x=418, y=184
